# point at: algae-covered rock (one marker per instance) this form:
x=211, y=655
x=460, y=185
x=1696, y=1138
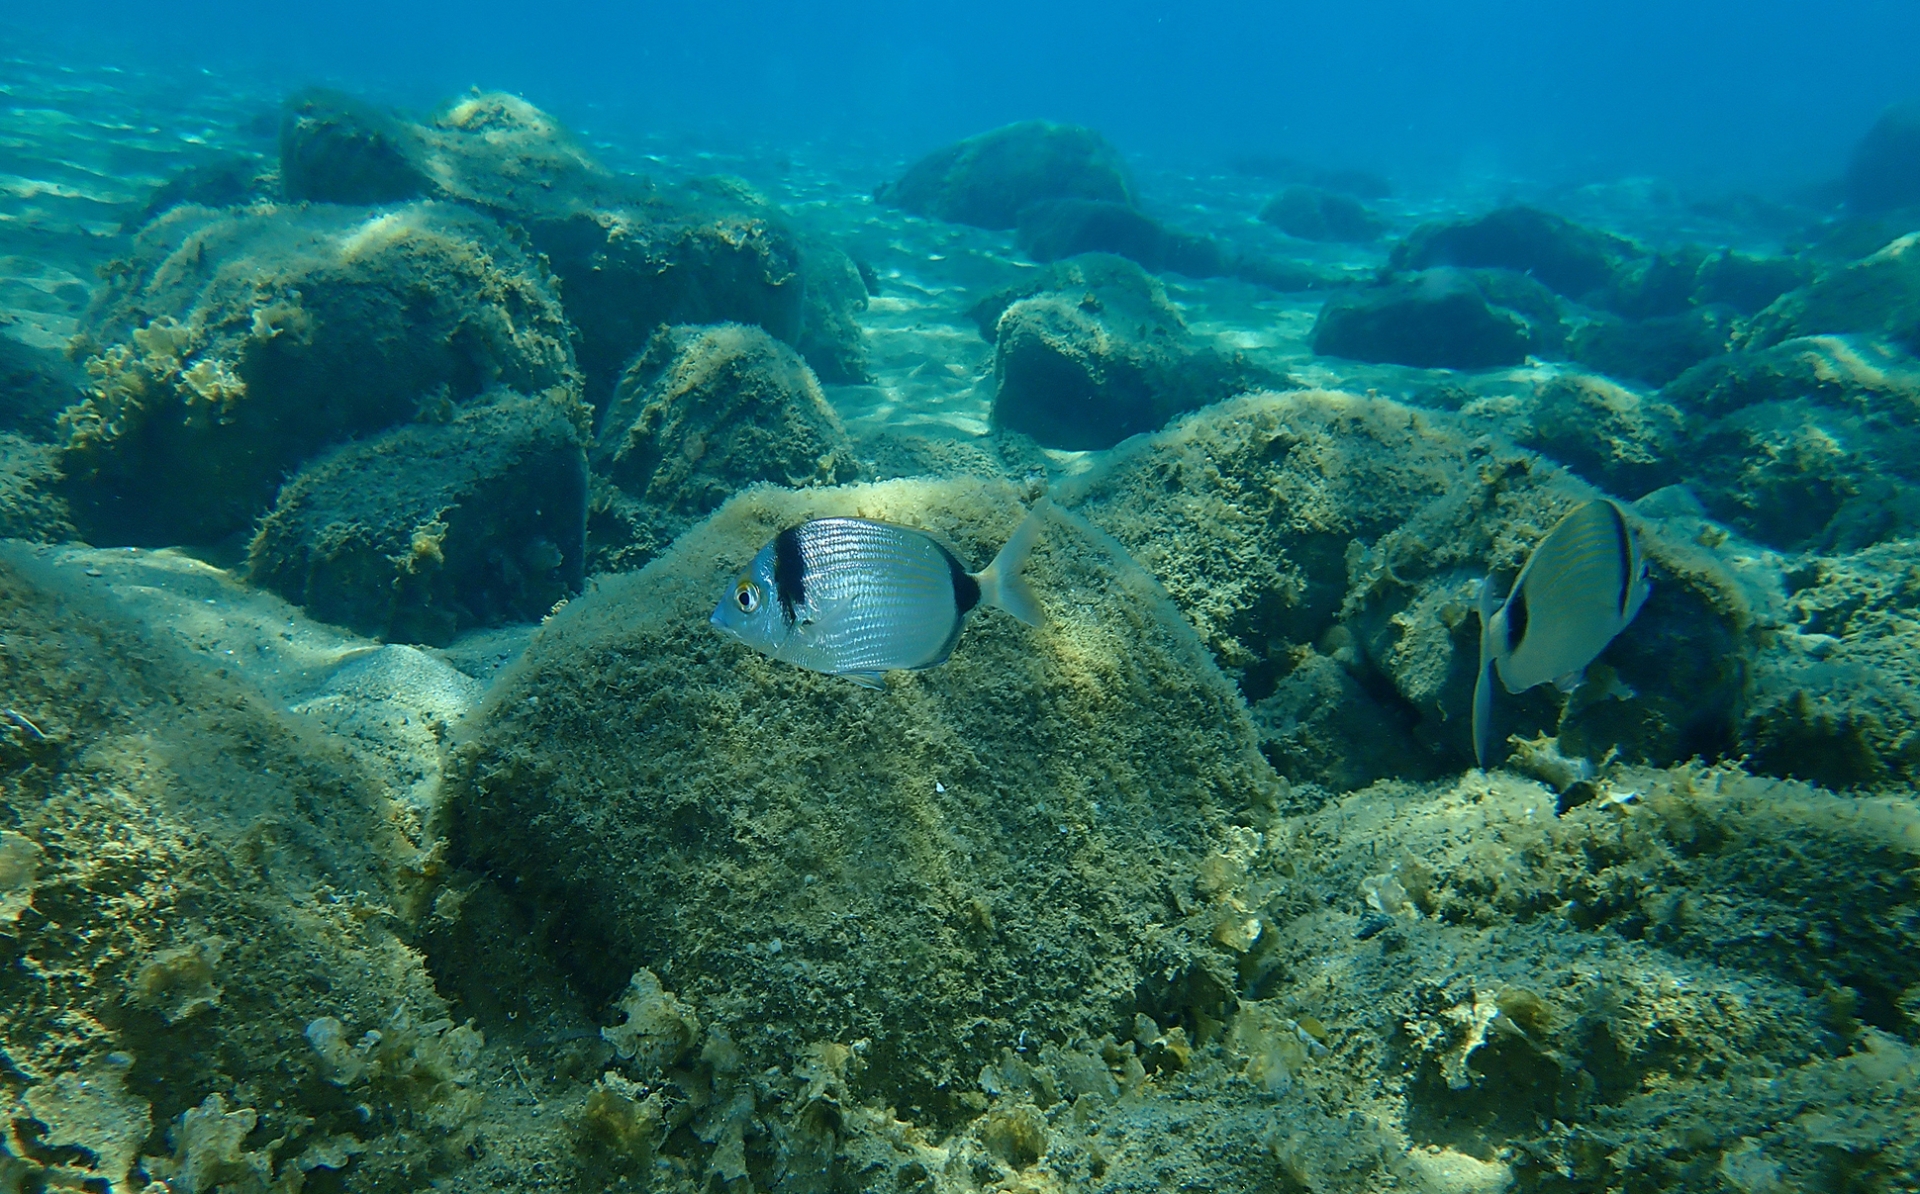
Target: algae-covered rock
x=1316, y=213
x=986, y=180
x=212, y=874
x=1299, y=528
x=1838, y=701
x=1808, y=444
x=699, y=416
x=1570, y=259
x=980, y=850
x=232, y=347
x=1653, y=351
x=31, y=506
x=830, y=336
x=431, y=529
x=338, y=149
x=1091, y=352
x=36, y=384
x=1439, y=319
x=1052, y=229
x=1627, y=442
x=630, y=255
x=1878, y=295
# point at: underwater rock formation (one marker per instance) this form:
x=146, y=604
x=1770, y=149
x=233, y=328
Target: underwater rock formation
x=1090, y=351
x=922, y=873
x=1316, y=213
x=1811, y=443
x=836, y=291
x=1569, y=259
x=1653, y=351
x=224, y=182
x=36, y=384
x=30, y=503
x=1884, y=172
x=630, y=255
x=232, y=347
x=702, y=414
x=434, y=528
x=1306, y=527
x=1623, y=441
x=986, y=180
x=1441, y=319
x=1052, y=229
x=1878, y=295
x=210, y=876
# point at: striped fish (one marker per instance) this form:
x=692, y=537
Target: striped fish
x=857, y=598
x=1581, y=586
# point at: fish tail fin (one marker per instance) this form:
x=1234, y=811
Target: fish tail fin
x=1001, y=583
x=1483, y=687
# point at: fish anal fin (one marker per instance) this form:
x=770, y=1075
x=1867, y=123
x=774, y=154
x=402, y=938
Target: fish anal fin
x=868, y=679
x=1571, y=680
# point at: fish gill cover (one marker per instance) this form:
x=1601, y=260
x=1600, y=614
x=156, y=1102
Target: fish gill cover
x=378, y=809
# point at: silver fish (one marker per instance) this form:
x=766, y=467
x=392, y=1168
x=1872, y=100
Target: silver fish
x=857, y=598
x=1581, y=586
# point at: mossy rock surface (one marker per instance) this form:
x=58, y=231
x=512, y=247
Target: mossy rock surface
x=987, y=179
x=431, y=529
x=1091, y=352
x=234, y=346
x=1301, y=529
x=1878, y=295
x=979, y=851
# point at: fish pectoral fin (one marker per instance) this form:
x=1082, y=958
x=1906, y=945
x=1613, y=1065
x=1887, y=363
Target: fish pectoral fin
x=1571, y=680
x=868, y=679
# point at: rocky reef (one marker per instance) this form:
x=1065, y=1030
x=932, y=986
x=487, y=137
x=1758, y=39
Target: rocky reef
x=379, y=812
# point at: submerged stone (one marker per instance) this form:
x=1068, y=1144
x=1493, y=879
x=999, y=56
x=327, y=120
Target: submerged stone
x=986, y=180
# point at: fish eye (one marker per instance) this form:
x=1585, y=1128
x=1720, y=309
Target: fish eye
x=747, y=596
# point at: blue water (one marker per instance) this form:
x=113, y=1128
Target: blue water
x=1734, y=95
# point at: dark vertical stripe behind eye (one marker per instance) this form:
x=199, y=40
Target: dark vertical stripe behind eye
x=789, y=573
x=1623, y=539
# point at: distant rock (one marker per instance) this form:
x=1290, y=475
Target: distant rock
x=1361, y=184
x=1053, y=229
x=1092, y=352
x=986, y=180
x=836, y=292
x=1440, y=319
x=1315, y=213
x=1747, y=283
x=699, y=416
x=235, y=346
x=428, y=530
x=1885, y=170
x=1568, y=258
x=338, y=149
x=1654, y=351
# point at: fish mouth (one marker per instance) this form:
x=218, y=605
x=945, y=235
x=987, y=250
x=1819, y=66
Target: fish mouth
x=714, y=621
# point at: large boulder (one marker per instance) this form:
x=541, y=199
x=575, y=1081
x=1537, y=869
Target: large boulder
x=1621, y=440
x=36, y=384
x=1327, y=548
x=1878, y=295
x=1653, y=351
x=1091, y=352
x=986, y=180
x=630, y=255
x=1885, y=170
x=830, y=335
x=231, y=347
x=922, y=873
x=431, y=529
x=1316, y=213
x=699, y=416
x=1053, y=229
x=1441, y=319
x=1568, y=258
x=1811, y=443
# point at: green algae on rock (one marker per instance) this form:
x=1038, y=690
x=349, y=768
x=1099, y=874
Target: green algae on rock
x=977, y=852
x=986, y=180
x=701, y=414
x=231, y=347
x=434, y=528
